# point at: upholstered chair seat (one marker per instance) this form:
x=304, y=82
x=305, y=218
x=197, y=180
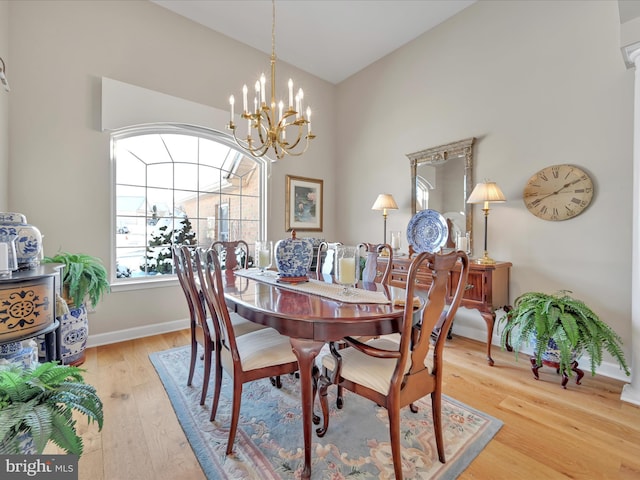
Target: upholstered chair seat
x=371, y=372
x=259, y=349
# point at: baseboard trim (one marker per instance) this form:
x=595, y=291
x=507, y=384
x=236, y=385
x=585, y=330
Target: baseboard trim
x=606, y=369
x=136, y=332
x=630, y=395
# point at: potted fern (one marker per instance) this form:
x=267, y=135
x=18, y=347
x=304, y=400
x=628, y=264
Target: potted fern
x=36, y=406
x=84, y=278
x=560, y=328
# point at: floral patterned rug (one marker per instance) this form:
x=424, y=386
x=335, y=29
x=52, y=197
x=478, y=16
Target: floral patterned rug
x=269, y=442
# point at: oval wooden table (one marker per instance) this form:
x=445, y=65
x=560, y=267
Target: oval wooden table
x=311, y=321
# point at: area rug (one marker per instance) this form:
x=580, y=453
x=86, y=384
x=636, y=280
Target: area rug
x=269, y=441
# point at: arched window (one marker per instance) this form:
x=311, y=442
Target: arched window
x=180, y=184
x=422, y=193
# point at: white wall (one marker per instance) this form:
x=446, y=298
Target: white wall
x=4, y=109
x=60, y=157
x=538, y=84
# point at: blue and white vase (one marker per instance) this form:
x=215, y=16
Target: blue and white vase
x=293, y=257
x=74, y=331
x=24, y=354
x=24, y=442
x=28, y=239
x=552, y=353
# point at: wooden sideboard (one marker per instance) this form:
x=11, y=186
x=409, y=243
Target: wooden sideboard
x=487, y=287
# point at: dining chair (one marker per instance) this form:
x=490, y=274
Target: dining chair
x=264, y=353
x=371, y=251
x=233, y=255
x=394, y=375
x=326, y=260
x=201, y=325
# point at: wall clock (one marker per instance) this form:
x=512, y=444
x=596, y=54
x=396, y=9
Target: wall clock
x=558, y=192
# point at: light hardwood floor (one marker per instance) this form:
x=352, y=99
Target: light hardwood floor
x=584, y=432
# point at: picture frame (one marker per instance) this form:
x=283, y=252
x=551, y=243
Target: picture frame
x=303, y=204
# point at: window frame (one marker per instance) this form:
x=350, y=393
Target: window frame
x=152, y=281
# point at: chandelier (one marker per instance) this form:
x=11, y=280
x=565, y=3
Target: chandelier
x=288, y=131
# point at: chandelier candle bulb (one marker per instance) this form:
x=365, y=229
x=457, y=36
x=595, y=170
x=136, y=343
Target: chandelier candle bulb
x=309, y=118
x=290, y=94
x=232, y=101
x=244, y=98
x=301, y=97
x=257, y=102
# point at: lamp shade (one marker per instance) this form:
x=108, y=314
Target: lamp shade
x=487, y=192
x=385, y=201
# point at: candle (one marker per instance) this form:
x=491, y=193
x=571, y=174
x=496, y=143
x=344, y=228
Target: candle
x=309, y=118
x=264, y=259
x=395, y=242
x=4, y=258
x=280, y=107
x=301, y=97
x=232, y=101
x=257, y=101
x=290, y=94
x=462, y=243
x=347, y=271
x=244, y=98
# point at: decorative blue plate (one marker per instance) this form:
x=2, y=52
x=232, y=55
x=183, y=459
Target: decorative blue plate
x=427, y=231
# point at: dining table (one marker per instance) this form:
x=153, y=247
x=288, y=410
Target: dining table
x=312, y=314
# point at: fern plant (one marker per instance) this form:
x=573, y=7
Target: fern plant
x=83, y=276
x=41, y=402
x=573, y=326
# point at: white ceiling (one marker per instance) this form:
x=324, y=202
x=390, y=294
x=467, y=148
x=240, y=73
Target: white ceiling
x=332, y=39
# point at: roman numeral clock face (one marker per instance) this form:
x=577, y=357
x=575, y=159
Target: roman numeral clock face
x=558, y=192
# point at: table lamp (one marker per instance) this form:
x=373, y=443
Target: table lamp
x=385, y=202
x=487, y=192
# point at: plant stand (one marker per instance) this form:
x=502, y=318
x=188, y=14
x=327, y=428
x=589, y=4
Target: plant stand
x=565, y=378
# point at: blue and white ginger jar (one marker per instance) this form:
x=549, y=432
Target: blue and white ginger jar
x=28, y=239
x=293, y=256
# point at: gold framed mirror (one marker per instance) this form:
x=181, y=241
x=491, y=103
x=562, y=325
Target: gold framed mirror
x=442, y=179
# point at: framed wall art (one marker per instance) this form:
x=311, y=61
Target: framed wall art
x=303, y=204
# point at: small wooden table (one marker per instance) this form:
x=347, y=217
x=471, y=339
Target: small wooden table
x=310, y=321
x=28, y=307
